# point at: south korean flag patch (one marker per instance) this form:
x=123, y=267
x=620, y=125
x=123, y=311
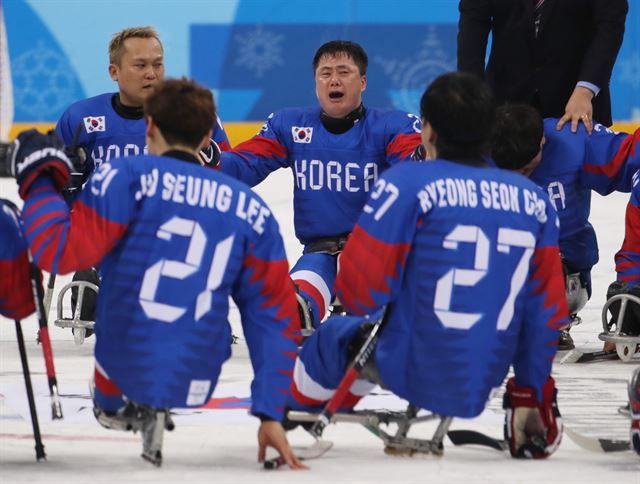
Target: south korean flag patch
x=301, y=135
x=94, y=123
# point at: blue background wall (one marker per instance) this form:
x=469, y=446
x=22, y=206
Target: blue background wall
x=254, y=54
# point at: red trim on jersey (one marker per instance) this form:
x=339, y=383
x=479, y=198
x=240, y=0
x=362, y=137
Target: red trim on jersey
x=313, y=292
x=41, y=202
x=86, y=237
x=278, y=290
x=403, y=145
x=301, y=398
x=105, y=385
x=16, y=294
x=365, y=265
x=628, y=257
x=260, y=146
x=547, y=272
x=625, y=152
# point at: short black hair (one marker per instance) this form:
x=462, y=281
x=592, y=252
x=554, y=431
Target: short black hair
x=183, y=110
x=516, y=135
x=460, y=109
x=342, y=47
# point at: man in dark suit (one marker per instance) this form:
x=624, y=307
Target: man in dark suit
x=556, y=55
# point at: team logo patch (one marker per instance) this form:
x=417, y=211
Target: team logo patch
x=301, y=135
x=94, y=123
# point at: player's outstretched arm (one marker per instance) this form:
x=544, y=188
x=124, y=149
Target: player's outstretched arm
x=251, y=161
x=271, y=434
x=610, y=161
x=62, y=240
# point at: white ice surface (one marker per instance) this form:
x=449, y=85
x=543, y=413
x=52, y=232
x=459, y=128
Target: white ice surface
x=220, y=445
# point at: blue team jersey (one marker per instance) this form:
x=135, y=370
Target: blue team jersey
x=467, y=259
x=106, y=135
x=572, y=165
x=16, y=294
x=174, y=241
x=628, y=257
x=333, y=173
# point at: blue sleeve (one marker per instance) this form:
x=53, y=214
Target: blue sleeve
x=219, y=135
x=16, y=295
x=545, y=306
x=611, y=159
x=63, y=240
x=252, y=160
x=266, y=299
x=404, y=136
x=372, y=264
x=64, y=129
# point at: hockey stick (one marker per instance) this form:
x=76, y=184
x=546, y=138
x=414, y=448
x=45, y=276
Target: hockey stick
x=40, y=454
x=350, y=376
x=471, y=437
x=594, y=444
x=577, y=356
x=331, y=407
x=43, y=333
x=48, y=296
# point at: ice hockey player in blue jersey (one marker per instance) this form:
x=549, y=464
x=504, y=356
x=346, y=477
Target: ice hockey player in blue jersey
x=464, y=258
x=568, y=166
x=16, y=294
x=112, y=125
x=336, y=152
x=174, y=240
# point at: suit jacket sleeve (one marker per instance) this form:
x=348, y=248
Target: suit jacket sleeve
x=473, y=31
x=608, y=17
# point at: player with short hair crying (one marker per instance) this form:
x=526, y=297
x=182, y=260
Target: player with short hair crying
x=336, y=151
x=568, y=166
x=464, y=259
x=174, y=240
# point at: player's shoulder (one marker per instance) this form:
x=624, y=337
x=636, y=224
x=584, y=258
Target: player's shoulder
x=85, y=107
x=390, y=116
x=297, y=115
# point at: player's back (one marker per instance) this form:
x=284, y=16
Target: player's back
x=456, y=323
x=163, y=304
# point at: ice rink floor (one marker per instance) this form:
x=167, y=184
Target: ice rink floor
x=219, y=444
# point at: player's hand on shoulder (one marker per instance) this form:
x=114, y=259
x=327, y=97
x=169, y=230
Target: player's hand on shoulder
x=272, y=434
x=210, y=155
x=34, y=154
x=532, y=428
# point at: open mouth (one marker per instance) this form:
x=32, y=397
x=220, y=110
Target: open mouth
x=336, y=95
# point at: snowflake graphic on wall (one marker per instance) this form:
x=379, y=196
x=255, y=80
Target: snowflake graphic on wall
x=630, y=70
x=259, y=50
x=43, y=82
x=411, y=76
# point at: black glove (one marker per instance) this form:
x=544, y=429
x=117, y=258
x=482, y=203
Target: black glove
x=34, y=154
x=210, y=156
x=533, y=429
